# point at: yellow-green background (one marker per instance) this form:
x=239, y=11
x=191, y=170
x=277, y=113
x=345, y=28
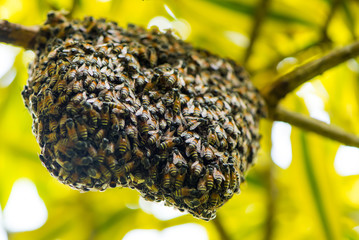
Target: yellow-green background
x=309, y=200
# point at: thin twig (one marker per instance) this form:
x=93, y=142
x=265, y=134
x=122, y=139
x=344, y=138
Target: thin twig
x=17, y=34
x=314, y=125
x=290, y=81
x=271, y=203
x=258, y=20
x=220, y=228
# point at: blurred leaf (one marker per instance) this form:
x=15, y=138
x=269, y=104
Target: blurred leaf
x=249, y=9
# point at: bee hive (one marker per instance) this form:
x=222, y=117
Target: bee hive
x=138, y=108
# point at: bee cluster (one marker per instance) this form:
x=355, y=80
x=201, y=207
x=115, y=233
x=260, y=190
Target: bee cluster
x=116, y=107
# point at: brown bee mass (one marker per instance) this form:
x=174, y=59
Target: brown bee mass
x=134, y=108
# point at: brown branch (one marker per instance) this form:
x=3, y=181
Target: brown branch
x=314, y=125
x=258, y=20
x=271, y=203
x=17, y=34
x=290, y=81
x=218, y=223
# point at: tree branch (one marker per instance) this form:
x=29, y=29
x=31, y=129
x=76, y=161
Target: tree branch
x=290, y=81
x=17, y=34
x=258, y=20
x=314, y=125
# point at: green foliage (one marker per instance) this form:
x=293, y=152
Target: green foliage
x=308, y=200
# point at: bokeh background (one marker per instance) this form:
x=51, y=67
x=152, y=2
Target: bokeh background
x=303, y=186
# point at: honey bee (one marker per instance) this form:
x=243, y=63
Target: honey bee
x=102, y=84
x=160, y=107
x=82, y=129
x=154, y=95
x=63, y=174
x=63, y=120
x=178, y=159
x=173, y=170
x=115, y=124
x=72, y=72
x=227, y=178
x=124, y=92
x=143, y=113
x=141, y=156
x=201, y=186
x=128, y=167
x=140, y=81
x=84, y=161
x=153, y=173
x=54, y=110
x=33, y=100
x=123, y=143
x=51, y=68
x=111, y=163
x=107, y=95
x=93, y=173
x=60, y=85
x=78, y=98
x=101, y=151
x=154, y=137
x=214, y=199
x=229, y=126
x=180, y=177
x=62, y=99
x=77, y=86
x=209, y=178
x=71, y=131
x=218, y=176
x=192, y=147
x=48, y=100
x=51, y=137
x=150, y=85
x=177, y=101
x=169, y=143
x=52, y=55
x=196, y=168
x=171, y=79
x=110, y=148
x=105, y=116
x=94, y=115
x=92, y=151
x=62, y=66
x=234, y=178
x=53, y=124
x=184, y=192
x=196, y=109
x=64, y=148
x=166, y=179
x=105, y=174
x=72, y=109
x=152, y=56
x=163, y=124
x=100, y=135
x=131, y=131
x=92, y=86
x=122, y=123
x=212, y=137
x=192, y=203
x=207, y=152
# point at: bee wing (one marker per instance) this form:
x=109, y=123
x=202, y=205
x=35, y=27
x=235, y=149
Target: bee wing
x=139, y=112
x=194, y=126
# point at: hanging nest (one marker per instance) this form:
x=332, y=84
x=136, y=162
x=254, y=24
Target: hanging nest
x=138, y=108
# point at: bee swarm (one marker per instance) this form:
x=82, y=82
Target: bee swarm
x=134, y=108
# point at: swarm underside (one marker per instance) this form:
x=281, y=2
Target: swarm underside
x=141, y=109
